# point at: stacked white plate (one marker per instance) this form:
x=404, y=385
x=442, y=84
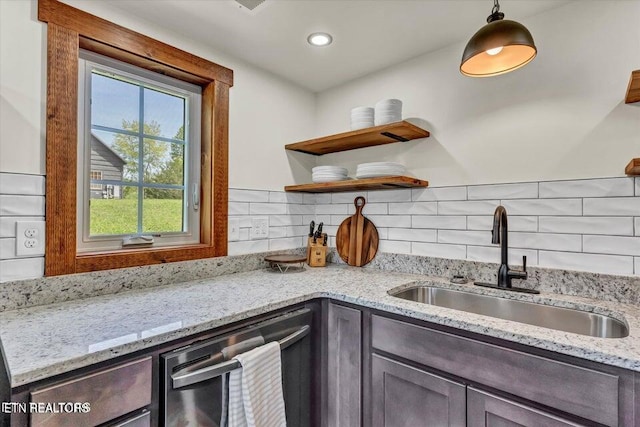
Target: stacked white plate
x=362, y=117
x=376, y=169
x=388, y=111
x=328, y=174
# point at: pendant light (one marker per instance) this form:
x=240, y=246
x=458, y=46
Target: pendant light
x=499, y=47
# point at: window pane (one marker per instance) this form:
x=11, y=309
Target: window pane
x=115, y=155
x=163, y=114
x=114, y=211
x=162, y=210
x=114, y=103
x=164, y=162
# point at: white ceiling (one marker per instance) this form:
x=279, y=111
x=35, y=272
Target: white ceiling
x=368, y=34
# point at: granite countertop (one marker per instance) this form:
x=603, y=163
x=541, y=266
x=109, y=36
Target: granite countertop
x=43, y=341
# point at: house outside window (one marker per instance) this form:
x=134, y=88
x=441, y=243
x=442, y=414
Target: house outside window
x=138, y=152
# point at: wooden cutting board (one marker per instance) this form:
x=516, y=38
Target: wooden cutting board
x=357, y=237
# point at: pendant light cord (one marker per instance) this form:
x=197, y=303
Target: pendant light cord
x=496, y=7
x=496, y=15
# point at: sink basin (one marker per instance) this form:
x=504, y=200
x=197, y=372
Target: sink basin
x=561, y=319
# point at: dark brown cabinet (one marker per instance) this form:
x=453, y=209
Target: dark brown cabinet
x=403, y=396
x=487, y=410
x=343, y=367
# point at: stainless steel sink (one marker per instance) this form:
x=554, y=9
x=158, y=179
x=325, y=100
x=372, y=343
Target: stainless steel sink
x=561, y=319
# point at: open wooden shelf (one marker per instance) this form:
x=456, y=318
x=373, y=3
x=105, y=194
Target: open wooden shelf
x=633, y=90
x=368, y=137
x=380, y=183
x=633, y=168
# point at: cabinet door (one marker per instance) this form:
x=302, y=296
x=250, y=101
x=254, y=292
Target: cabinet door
x=487, y=410
x=343, y=367
x=404, y=396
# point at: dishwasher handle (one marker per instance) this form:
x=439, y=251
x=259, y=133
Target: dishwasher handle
x=186, y=379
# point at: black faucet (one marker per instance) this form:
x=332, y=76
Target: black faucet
x=500, y=235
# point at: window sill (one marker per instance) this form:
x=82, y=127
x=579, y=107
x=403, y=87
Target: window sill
x=122, y=258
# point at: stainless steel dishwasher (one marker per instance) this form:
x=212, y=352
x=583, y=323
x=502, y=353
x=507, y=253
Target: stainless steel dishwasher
x=195, y=376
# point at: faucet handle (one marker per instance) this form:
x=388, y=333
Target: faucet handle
x=524, y=263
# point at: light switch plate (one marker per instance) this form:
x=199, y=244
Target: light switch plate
x=259, y=228
x=29, y=238
x=234, y=229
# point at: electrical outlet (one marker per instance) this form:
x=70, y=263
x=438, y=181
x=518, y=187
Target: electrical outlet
x=259, y=228
x=29, y=238
x=234, y=229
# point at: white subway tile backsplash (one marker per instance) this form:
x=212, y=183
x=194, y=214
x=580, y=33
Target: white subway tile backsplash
x=587, y=225
x=607, y=264
x=393, y=246
x=527, y=190
x=607, y=187
x=319, y=199
x=240, y=195
x=267, y=208
x=637, y=226
x=27, y=185
x=248, y=247
x=389, y=196
x=553, y=242
x=21, y=268
x=543, y=207
x=383, y=233
x=237, y=208
x=611, y=245
x=348, y=197
x=7, y=248
x=11, y=205
x=492, y=254
x=290, y=231
x=283, y=197
x=8, y=224
x=371, y=209
x=613, y=206
x=464, y=237
x=285, y=243
x=412, y=234
x=299, y=209
x=438, y=194
x=439, y=222
x=637, y=266
x=279, y=220
x=413, y=208
x=638, y=186
x=330, y=209
x=391, y=221
x=475, y=207
x=438, y=250
x=516, y=223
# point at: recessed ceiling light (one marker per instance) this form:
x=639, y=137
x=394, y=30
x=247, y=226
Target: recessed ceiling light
x=320, y=39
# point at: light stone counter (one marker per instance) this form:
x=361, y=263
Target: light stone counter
x=42, y=341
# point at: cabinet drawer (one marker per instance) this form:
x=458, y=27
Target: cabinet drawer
x=112, y=393
x=140, y=420
x=579, y=391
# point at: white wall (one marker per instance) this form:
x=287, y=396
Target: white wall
x=562, y=116
x=266, y=112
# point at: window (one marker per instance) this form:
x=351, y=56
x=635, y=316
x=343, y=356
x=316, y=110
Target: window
x=138, y=157
x=69, y=180
x=96, y=176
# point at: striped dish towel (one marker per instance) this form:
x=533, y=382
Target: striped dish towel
x=255, y=390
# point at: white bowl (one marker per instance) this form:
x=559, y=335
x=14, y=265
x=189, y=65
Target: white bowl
x=366, y=110
x=391, y=101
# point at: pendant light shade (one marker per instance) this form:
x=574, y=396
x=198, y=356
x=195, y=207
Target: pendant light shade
x=499, y=47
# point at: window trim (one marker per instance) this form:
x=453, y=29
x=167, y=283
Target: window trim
x=68, y=30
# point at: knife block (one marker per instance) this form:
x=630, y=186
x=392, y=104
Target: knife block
x=316, y=252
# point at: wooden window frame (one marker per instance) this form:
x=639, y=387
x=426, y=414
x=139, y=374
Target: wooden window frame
x=68, y=30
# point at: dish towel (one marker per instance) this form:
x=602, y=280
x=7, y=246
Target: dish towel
x=255, y=390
